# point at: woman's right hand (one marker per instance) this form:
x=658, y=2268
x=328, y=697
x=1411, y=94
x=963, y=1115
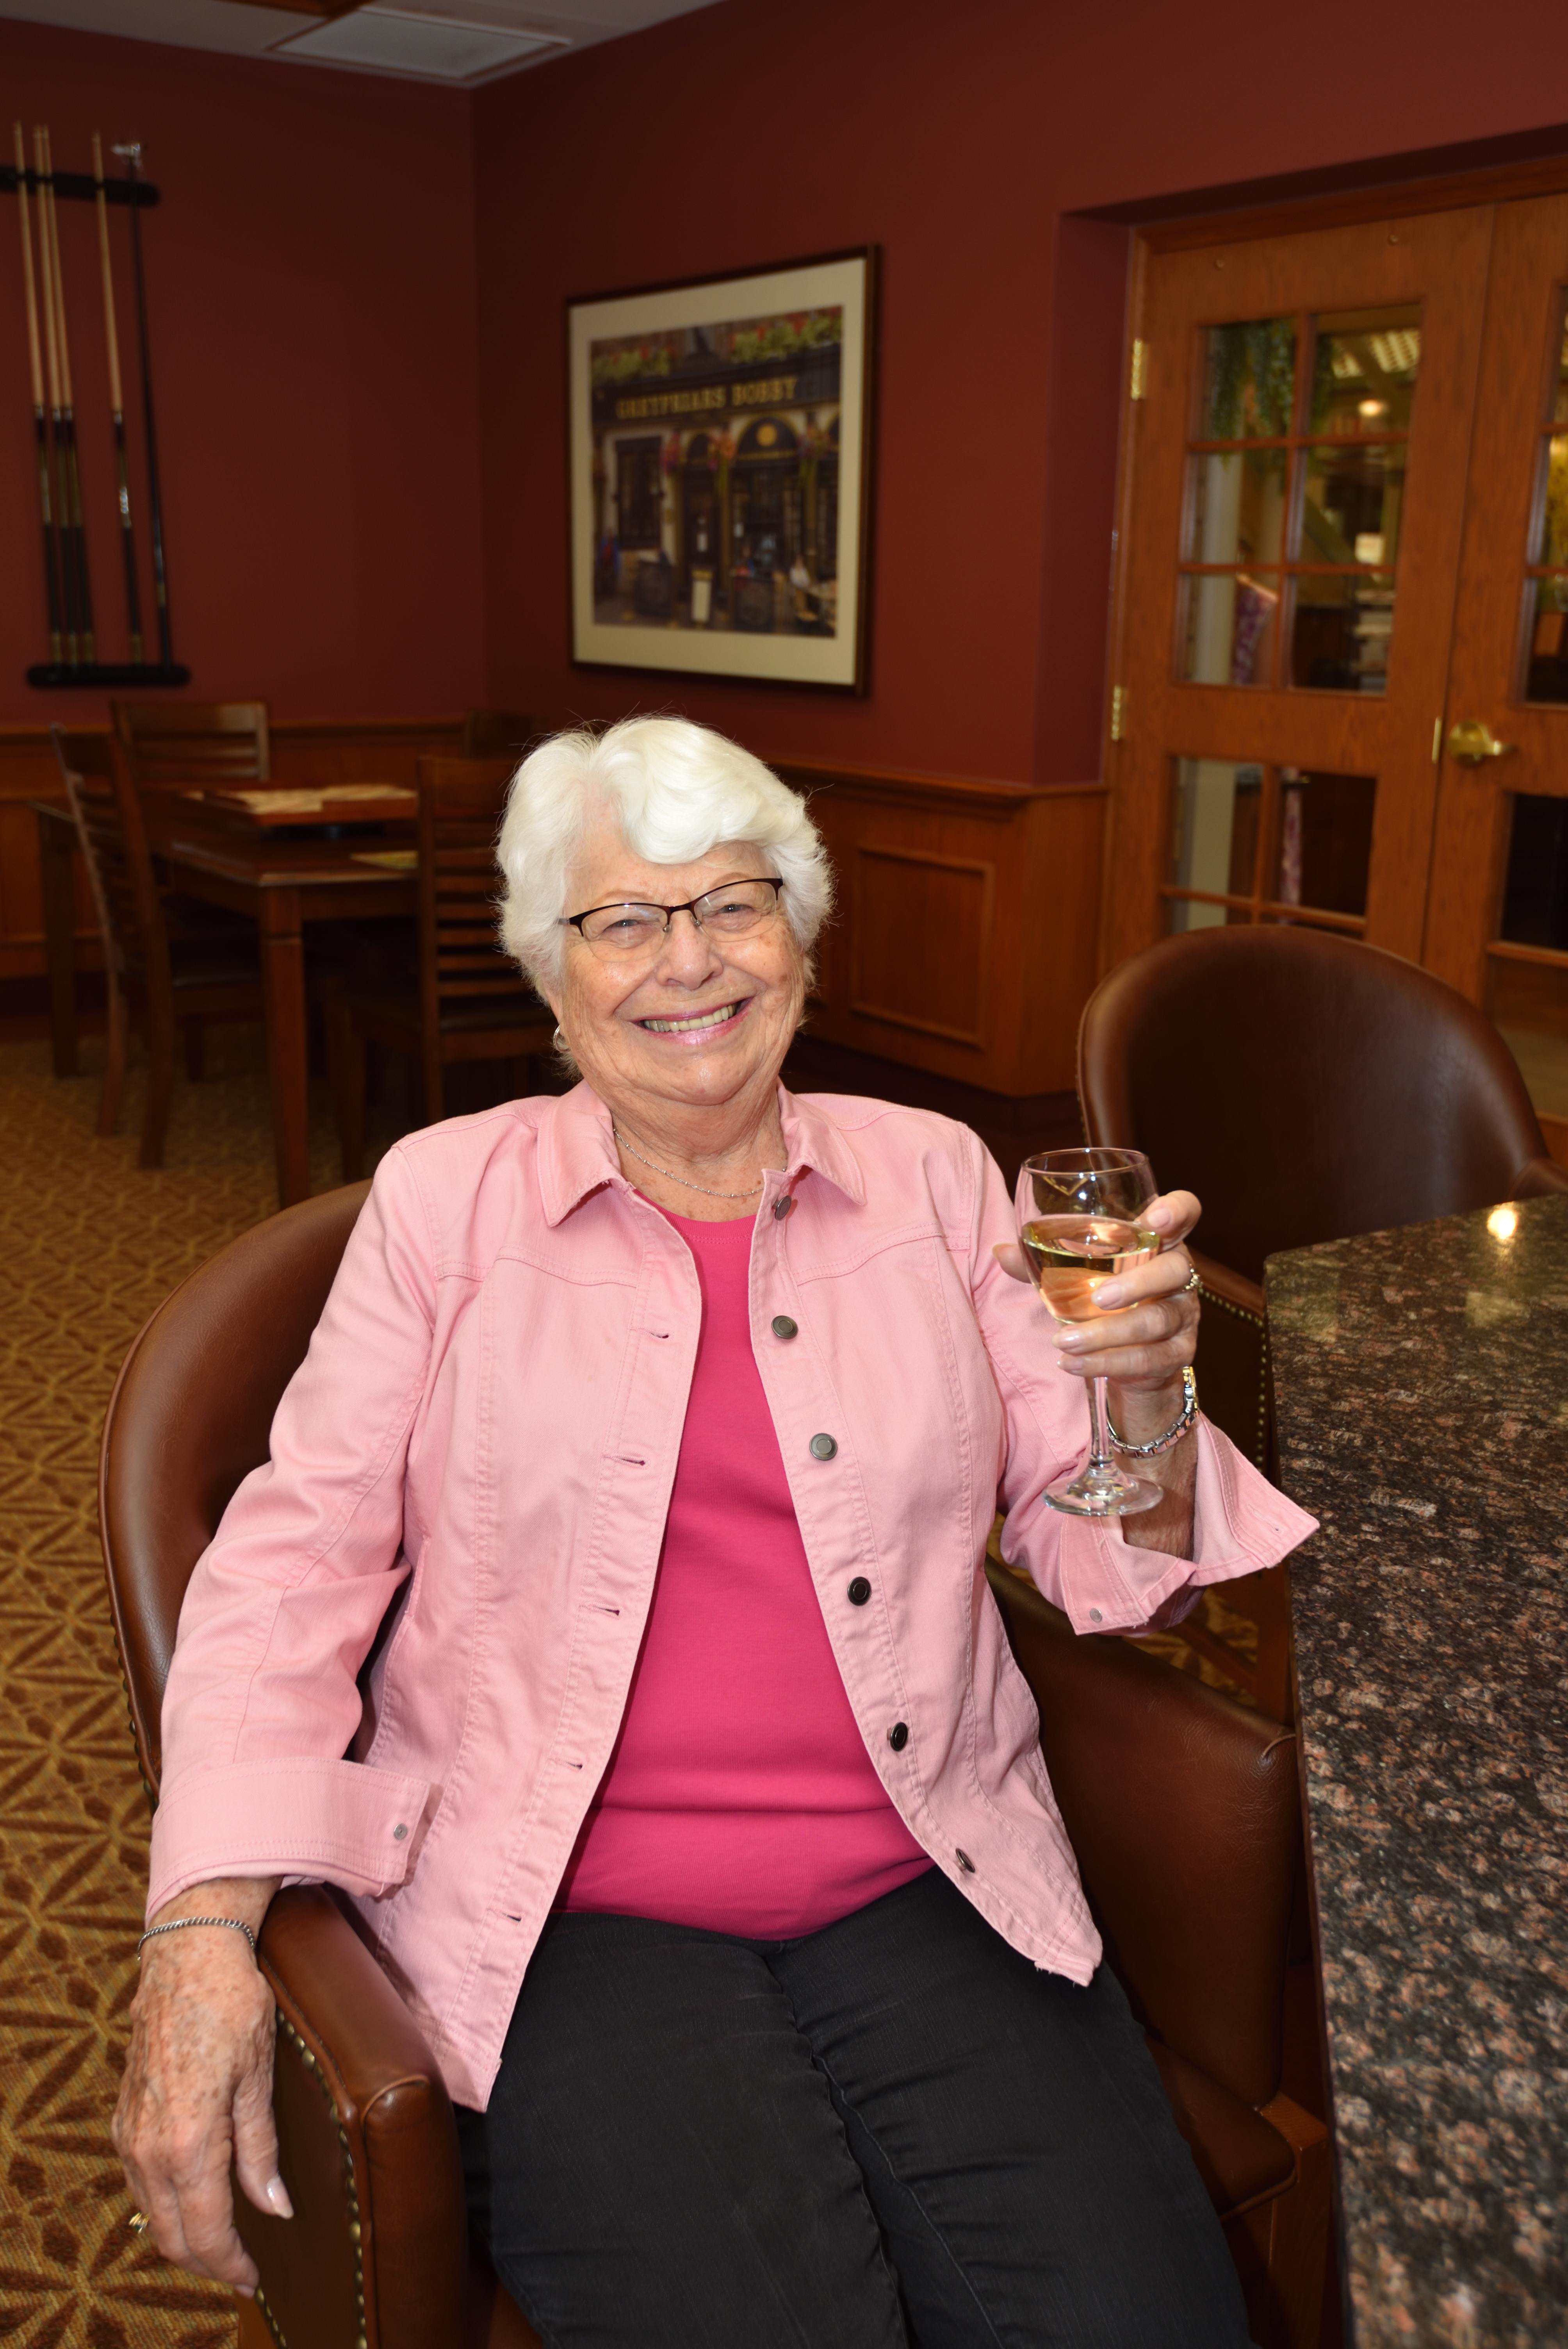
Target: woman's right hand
x=198, y=2087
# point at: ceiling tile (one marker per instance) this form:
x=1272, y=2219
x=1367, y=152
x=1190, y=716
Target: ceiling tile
x=238, y=28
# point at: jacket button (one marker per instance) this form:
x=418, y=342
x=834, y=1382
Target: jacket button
x=781, y=1208
x=898, y=1736
x=822, y=1447
x=964, y=1862
x=860, y=1591
x=783, y=1327
x=398, y=1832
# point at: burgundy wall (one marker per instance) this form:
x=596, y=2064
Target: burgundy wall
x=311, y=281
x=357, y=291
x=961, y=140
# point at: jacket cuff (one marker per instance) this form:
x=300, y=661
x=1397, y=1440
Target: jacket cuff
x=335, y=1821
x=1240, y=1524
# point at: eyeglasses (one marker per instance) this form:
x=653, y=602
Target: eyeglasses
x=729, y=911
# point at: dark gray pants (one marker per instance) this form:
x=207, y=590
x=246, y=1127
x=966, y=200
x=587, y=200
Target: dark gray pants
x=894, y=2131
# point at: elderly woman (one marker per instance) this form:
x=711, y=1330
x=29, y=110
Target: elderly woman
x=610, y=1624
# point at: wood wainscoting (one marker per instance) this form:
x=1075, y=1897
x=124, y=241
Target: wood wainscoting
x=304, y=751
x=964, y=948
x=967, y=937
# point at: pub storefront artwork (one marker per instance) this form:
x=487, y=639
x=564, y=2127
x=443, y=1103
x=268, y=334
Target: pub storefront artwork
x=715, y=476
x=725, y=463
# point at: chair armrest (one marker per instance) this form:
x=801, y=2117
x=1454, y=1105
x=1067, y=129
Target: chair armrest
x=1242, y=2157
x=1301, y=2130
x=1232, y=1288
x=1540, y=1180
x=377, y=2248
x=1183, y=1809
x=1232, y=1357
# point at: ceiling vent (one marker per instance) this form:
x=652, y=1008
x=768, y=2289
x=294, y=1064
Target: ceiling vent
x=425, y=48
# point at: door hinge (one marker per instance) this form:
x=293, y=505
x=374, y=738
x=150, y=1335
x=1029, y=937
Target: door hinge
x=1118, y=712
x=1137, y=382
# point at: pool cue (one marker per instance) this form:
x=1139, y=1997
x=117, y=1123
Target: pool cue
x=40, y=422
x=68, y=408
x=56, y=424
x=116, y=407
x=155, y=496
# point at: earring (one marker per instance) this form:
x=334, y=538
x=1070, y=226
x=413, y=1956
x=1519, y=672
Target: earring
x=559, y=1040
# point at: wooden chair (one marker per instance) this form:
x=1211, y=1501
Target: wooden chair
x=469, y=1003
x=168, y=974
x=1308, y=1087
x=1182, y=1806
x=180, y=746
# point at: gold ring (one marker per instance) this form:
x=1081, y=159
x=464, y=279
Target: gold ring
x=139, y=2222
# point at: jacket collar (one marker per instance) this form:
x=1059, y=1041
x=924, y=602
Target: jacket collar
x=577, y=1152
x=812, y=1138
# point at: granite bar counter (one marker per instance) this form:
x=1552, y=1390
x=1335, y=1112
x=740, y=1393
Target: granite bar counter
x=1421, y=1379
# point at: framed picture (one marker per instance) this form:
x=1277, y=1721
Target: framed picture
x=720, y=474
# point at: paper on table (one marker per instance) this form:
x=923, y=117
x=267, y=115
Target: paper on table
x=270, y=801
x=366, y=791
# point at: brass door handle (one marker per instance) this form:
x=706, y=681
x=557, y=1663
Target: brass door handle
x=1473, y=744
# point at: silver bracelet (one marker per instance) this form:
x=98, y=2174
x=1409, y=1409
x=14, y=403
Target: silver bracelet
x=1173, y=1434
x=179, y=1924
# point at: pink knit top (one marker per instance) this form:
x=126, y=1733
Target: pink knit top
x=739, y=1795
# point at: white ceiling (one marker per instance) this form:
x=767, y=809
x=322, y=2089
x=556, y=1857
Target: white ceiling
x=440, y=54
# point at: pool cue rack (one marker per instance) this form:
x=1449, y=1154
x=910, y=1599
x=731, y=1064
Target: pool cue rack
x=105, y=676
x=82, y=187
x=74, y=662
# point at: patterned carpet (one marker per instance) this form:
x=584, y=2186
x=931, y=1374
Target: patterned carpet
x=89, y=1245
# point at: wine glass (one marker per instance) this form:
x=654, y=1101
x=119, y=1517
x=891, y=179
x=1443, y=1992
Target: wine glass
x=1080, y=1222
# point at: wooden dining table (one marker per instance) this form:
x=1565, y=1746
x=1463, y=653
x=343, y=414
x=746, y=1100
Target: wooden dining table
x=286, y=857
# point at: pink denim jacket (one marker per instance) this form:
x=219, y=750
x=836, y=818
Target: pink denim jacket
x=468, y=1484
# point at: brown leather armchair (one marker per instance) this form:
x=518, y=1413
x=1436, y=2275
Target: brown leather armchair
x=1308, y=1087
x=1182, y=1806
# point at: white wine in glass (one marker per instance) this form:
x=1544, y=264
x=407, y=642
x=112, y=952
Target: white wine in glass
x=1078, y=1222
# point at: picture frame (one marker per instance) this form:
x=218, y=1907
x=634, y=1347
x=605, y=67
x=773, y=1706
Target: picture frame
x=720, y=469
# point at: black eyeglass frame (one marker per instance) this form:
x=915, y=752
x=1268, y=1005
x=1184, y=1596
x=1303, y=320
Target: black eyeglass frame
x=575, y=921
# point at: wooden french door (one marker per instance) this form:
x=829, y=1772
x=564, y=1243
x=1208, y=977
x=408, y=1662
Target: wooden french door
x=1340, y=647
x=1293, y=515
x=1498, y=917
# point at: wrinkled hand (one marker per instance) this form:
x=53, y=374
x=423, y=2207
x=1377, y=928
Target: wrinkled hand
x=1145, y=1331
x=198, y=2089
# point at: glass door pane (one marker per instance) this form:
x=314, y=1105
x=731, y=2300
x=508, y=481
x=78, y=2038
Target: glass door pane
x=1546, y=605
x=1237, y=478
x=1527, y=989
x=1250, y=842
x=1296, y=482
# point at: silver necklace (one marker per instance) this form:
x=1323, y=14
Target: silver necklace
x=681, y=1178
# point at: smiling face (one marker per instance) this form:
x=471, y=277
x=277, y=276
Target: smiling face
x=707, y=1021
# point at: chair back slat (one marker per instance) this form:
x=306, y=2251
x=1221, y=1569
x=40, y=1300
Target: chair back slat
x=462, y=802
x=113, y=837
x=193, y=745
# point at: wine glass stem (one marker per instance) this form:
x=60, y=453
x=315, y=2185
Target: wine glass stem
x=1098, y=1457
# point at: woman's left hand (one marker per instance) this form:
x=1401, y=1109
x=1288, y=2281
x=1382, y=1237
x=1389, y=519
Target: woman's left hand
x=1146, y=1328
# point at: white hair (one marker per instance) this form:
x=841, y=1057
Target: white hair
x=676, y=791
